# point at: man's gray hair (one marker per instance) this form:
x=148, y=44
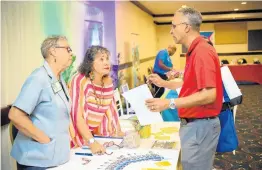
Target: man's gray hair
x=50, y=42
x=194, y=17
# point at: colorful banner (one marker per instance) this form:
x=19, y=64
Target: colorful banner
x=209, y=34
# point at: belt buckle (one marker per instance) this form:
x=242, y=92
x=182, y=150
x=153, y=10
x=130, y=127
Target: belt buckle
x=183, y=121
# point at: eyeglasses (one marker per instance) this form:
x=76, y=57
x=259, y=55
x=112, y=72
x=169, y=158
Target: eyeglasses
x=69, y=50
x=175, y=25
x=109, y=144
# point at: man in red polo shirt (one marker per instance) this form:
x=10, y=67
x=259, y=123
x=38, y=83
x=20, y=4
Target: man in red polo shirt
x=200, y=99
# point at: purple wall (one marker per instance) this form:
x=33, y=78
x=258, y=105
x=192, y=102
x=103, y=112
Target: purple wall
x=108, y=8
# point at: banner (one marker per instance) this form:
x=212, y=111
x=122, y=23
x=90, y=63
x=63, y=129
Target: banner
x=135, y=60
x=209, y=34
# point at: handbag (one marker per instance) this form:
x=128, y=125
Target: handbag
x=228, y=140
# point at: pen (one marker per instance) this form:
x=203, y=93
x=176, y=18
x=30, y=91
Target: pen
x=84, y=154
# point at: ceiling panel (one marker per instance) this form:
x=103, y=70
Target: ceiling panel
x=169, y=7
x=216, y=17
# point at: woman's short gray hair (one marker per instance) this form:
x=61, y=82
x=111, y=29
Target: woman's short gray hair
x=194, y=17
x=50, y=42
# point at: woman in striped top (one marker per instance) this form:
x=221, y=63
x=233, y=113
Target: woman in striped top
x=94, y=110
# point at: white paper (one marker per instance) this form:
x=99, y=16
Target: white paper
x=137, y=98
x=230, y=84
x=178, y=90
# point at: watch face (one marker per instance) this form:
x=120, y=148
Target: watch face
x=172, y=104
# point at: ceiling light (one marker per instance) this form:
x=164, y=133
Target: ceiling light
x=183, y=6
x=243, y=3
x=235, y=9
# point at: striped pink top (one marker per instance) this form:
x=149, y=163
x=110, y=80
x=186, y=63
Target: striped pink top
x=97, y=106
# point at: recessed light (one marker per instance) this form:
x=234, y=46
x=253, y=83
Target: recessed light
x=235, y=9
x=243, y=3
x=183, y=6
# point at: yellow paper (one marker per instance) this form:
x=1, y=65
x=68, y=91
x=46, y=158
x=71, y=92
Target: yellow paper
x=169, y=130
x=162, y=137
x=158, y=134
x=163, y=163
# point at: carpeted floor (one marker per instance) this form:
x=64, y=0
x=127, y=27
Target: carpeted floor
x=249, y=130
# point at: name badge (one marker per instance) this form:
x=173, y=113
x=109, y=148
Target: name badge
x=56, y=87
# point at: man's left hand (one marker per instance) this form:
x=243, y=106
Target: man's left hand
x=157, y=105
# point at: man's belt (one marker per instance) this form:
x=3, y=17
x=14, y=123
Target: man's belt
x=188, y=120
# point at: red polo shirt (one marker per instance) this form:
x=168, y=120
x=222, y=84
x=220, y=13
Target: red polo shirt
x=202, y=70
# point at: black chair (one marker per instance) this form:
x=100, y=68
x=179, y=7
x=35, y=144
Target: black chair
x=244, y=61
x=149, y=71
x=5, y=121
x=225, y=61
x=145, y=79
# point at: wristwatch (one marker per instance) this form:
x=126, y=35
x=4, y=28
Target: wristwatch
x=91, y=141
x=172, y=104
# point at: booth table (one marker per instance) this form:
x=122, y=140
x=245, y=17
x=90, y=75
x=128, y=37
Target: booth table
x=250, y=73
x=171, y=156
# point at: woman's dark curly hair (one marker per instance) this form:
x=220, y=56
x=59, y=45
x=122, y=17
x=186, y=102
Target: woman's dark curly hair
x=87, y=65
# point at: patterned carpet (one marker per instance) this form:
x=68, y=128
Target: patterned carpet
x=249, y=130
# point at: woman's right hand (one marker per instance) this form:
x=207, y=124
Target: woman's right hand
x=97, y=148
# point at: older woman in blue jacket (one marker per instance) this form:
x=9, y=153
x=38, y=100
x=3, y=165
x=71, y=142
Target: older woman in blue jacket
x=41, y=111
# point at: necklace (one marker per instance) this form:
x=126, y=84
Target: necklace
x=99, y=100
